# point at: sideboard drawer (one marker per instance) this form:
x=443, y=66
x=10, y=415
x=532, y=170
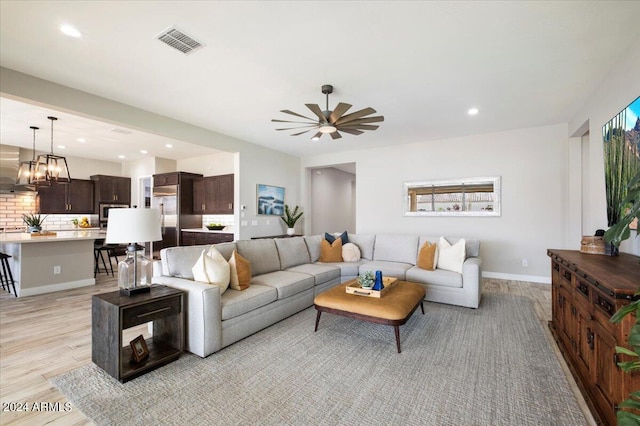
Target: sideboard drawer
x=141, y=314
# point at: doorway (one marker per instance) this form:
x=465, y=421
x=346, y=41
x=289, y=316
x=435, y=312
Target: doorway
x=333, y=198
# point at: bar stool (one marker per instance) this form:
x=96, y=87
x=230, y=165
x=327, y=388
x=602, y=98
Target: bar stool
x=6, y=277
x=99, y=249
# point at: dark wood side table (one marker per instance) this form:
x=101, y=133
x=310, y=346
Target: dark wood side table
x=111, y=313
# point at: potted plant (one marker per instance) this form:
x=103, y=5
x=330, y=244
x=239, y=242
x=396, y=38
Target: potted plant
x=290, y=218
x=34, y=222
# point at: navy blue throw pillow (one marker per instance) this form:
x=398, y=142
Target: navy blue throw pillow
x=330, y=238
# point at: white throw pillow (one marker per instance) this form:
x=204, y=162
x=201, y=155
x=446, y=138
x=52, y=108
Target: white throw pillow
x=451, y=257
x=350, y=252
x=212, y=268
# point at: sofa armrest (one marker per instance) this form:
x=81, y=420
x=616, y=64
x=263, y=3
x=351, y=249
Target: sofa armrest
x=472, y=279
x=203, y=314
x=157, y=268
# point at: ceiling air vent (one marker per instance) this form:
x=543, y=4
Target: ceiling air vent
x=179, y=40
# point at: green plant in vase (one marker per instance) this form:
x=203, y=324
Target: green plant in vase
x=290, y=218
x=33, y=221
x=366, y=279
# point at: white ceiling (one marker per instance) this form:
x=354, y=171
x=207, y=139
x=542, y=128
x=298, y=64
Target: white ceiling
x=420, y=64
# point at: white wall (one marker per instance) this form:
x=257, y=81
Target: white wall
x=331, y=206
x=532, y=164
x=618, y=90
x=80, y=168
x=220, y=163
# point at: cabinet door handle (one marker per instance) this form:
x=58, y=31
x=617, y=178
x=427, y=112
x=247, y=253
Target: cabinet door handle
x=590, y=337
x=230, y=206
x=203, y=207
x=616, y=360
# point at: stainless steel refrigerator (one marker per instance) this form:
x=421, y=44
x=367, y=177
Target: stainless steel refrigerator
x=176, y=212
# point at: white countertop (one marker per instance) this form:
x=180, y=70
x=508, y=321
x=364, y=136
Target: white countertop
x=24, y=237
x=206, y=230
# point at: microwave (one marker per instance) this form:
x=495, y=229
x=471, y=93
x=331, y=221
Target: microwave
x=103, y=213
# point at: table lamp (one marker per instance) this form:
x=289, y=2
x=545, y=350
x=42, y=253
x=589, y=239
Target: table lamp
x=130, y=226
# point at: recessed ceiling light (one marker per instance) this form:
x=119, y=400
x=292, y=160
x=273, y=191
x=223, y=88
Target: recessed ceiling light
x=61, y=146
x=169, y=145
x=473, y=111
x=82, y=140
x=70, y=31
x=315, y=138
x=121, y=156
x=144, y=151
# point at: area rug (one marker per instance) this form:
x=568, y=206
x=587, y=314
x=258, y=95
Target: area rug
x=458, y=366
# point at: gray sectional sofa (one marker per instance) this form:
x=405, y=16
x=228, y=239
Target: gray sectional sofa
x=286, y=276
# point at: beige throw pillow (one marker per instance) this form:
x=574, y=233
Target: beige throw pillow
x=331, y=252
x=240, y=271
x=212, y=268
x=350, y=252
x=451, y=257
x=428, y=256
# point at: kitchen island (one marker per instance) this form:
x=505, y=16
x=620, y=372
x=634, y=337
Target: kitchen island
x=199, y=236
x=48, y=263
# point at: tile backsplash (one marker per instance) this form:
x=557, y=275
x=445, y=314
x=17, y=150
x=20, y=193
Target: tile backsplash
x=14, y=205
x=225, y=219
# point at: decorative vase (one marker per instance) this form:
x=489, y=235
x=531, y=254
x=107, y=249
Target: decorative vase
x=291, y=231
x=378, y=283
x=32, y=229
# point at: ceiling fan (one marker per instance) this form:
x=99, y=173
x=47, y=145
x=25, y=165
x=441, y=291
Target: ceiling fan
x=333, y=122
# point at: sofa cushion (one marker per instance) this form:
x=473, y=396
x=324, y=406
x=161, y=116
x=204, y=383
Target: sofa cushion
x=225, y=249
x=451, y=257
x=350, y=253
x=236, y=302
x=292, y=252
x=347, y=269
x=178, y=261
x=321, y=272
x=471, y=245
x=285, y=282
x=212, y=268
x=313, y=245
x=396, y=248
x=262, y=254
x=331, y=252
x=239, y=271
x=389, y=269
x=440, y=277
x=428, y=256
x=365, y=243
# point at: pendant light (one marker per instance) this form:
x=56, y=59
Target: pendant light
x=27, y=169
x=51, y=168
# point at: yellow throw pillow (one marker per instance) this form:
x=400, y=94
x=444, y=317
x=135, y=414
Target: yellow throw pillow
x=428, y=256
x=211, y=268
x=331, y=252
x=240, y=271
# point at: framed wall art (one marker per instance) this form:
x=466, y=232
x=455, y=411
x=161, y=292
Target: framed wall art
x=270, y=200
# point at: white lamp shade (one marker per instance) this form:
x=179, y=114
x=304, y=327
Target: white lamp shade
x=133, y=225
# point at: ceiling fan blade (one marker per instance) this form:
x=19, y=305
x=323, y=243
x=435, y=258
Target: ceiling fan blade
x=366, y=120
x=298, y=127
x=301, y=133
x=286, y=111
x=317, y=136
x=358, y=126
x=317, y=111
x=335, y=135
x=340, y=109
x=288, y=121
x=356, y=115
x=351, y=131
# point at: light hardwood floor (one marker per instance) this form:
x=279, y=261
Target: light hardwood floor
x=47, y=335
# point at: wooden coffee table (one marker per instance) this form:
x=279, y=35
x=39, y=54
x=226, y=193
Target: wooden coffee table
x=394, y=308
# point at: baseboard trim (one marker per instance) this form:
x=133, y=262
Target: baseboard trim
x=22, y=292
x=517, y=277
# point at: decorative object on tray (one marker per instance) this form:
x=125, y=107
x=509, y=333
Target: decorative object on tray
x=215, y=226
x=290, y=218
x=43, y=234
x=366, y=279
x=139, y=350
x=357, y=289
x=33, y=221
x=130, y=226
x=378, y=282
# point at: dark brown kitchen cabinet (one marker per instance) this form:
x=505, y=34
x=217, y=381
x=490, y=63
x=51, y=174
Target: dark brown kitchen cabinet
x=213, y=195
x=112, y=189
x=199, y=238
x=74, y=197
x=163, y=179
x=587, y=289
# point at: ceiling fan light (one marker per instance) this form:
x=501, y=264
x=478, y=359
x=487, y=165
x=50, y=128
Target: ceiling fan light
x=327, y=128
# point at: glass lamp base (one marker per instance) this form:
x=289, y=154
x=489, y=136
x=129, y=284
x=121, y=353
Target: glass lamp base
x=135, y=290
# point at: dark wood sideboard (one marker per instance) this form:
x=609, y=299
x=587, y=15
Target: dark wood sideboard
x=587, y=289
